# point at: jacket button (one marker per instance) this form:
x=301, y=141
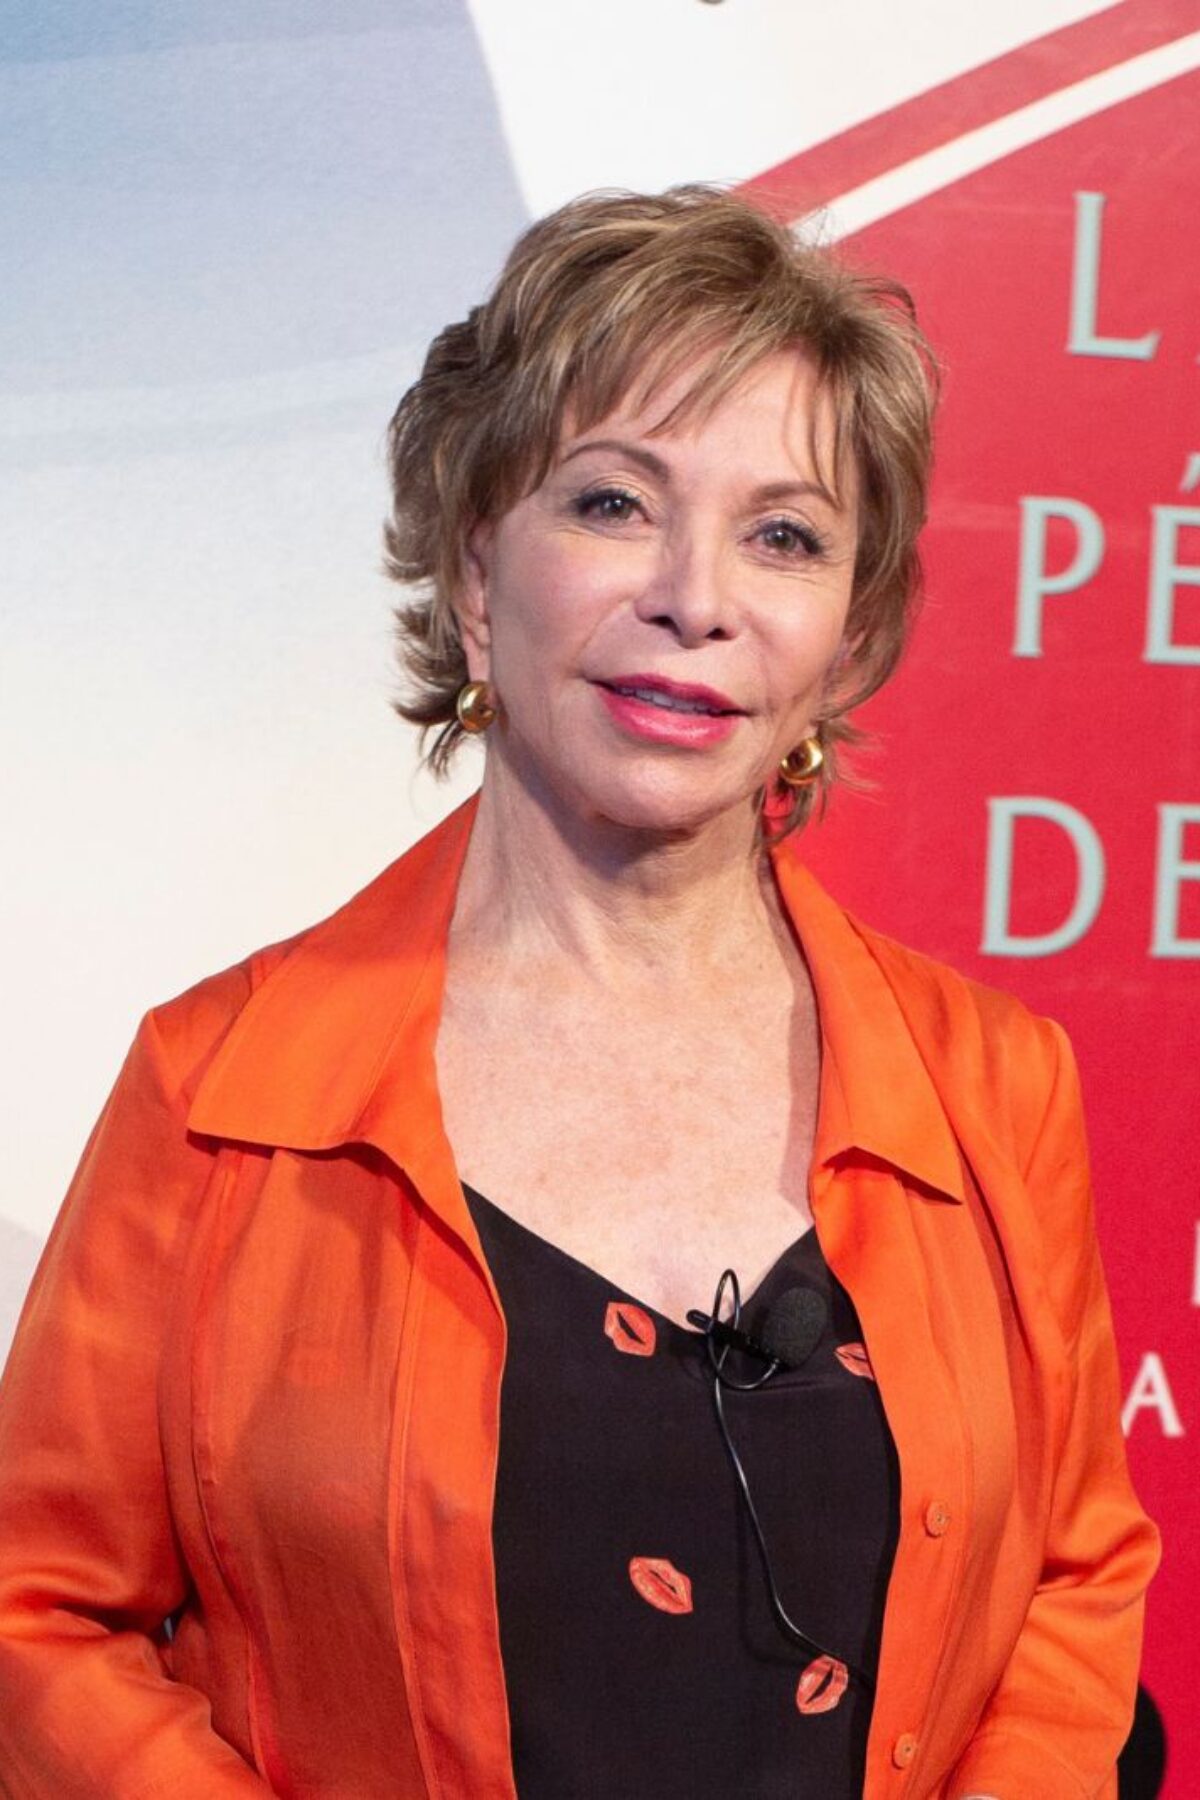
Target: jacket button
x=937, y=1518
x=904, y=1749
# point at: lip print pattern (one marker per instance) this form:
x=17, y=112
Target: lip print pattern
x=854, y=1357
x=821, y=1685
x=630, y=1327
x=661, y=1583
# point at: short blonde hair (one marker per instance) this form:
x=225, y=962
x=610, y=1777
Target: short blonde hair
x=601, y=300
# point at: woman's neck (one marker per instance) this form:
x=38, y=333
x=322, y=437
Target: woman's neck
x=610, y=904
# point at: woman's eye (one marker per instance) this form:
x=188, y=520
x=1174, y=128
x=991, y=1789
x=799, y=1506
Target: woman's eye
x=611, y=504
x=790, y=539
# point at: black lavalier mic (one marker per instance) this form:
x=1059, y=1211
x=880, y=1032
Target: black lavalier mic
x=788, y=1335
x=786, y=1338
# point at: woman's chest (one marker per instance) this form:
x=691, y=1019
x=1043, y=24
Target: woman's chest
x=657, y=1157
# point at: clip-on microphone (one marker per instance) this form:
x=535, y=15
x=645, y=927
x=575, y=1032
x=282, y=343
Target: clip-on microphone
x=789, y=1334
x=786, y=1339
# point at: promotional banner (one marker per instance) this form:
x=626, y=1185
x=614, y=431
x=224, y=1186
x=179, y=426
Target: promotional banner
x=1039, y=824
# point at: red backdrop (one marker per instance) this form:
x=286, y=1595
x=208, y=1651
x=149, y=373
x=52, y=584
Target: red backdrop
x=1050, y=709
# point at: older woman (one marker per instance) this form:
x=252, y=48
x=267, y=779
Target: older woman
x=589, y=1316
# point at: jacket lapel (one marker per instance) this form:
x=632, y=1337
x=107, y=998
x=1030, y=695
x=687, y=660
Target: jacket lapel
x=337, y=1046
x=948, y=1031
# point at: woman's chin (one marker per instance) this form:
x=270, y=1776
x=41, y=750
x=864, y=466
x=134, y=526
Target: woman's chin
x=664, y=796
x=665, y=803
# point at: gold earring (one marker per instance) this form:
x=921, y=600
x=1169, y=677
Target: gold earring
x=803, y=764
x=474, y=710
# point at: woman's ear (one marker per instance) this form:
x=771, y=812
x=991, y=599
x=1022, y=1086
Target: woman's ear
x=471, y=602
x=840, y=677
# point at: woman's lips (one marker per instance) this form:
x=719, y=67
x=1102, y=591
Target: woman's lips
x=675, y=715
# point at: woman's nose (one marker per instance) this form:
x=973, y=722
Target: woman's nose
x=691, y=593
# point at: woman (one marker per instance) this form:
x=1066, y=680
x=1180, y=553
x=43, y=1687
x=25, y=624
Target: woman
x=356, y=1438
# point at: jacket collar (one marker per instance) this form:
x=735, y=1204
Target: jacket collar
x=876, y=1095
x=336, y=1045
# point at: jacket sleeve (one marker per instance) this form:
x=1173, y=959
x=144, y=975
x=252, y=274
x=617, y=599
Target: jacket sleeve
x=89, y=1565
x=1059, y=1716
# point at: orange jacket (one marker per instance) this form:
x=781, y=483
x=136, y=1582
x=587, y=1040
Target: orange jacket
x=256, y=1386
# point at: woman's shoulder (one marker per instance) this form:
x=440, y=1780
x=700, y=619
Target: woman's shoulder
x=383, y=930
x=999, y=1012
x=191, y=1026
x=972, y=1033
x=982, y=1039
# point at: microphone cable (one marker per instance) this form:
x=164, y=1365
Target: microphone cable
x=789, y=1335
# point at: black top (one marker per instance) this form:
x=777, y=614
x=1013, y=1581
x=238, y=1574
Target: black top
x=641, y=1653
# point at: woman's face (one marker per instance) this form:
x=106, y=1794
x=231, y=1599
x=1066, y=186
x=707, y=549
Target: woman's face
x=659, y=618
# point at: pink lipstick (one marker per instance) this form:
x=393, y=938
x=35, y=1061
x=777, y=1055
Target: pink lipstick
x=669, y=712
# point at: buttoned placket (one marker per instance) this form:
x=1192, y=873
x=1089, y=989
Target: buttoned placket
x=440, y=1511
x=861, y=1211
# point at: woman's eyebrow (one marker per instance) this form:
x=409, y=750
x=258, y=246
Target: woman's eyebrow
x=634, y=452
x=761, y=496
x=795, y=490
